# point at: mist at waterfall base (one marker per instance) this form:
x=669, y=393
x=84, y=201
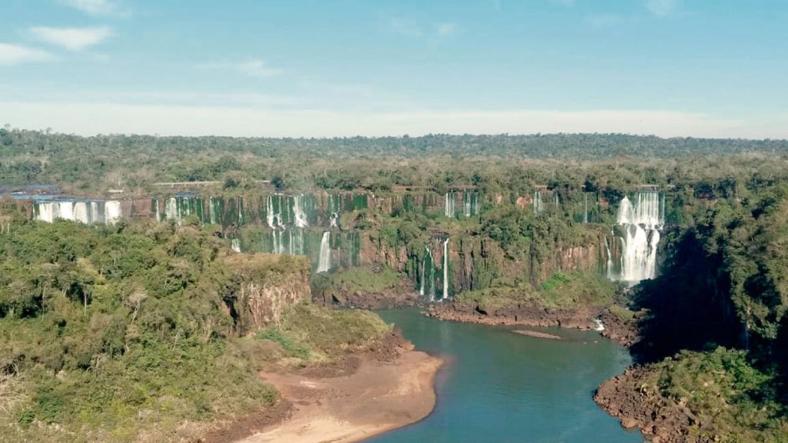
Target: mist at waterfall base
x=498, y=386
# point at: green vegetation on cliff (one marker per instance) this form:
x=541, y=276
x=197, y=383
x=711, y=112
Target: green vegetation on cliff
x=560, y=291
x=116, y=333
x=726, y=397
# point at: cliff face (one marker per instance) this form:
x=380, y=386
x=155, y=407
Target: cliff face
x=475, y=262
x=263, y=287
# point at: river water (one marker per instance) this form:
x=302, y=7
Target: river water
x=498, y=386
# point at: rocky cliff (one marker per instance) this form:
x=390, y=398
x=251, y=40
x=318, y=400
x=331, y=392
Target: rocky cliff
x=263, y=287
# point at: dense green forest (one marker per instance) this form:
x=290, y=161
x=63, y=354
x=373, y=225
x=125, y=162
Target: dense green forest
x=117, y=333
x=134, y=163
x=81, y=307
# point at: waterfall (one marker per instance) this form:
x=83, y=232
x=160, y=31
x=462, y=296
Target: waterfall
x=324, y=263
x=96, y=212
x=334, y=220
x=87, y=212
x=276, y=242
x=270, y=216
x=298, y=211
x=585, y=209
x=449, y=206
x=428, y=274
x=158, y=216
x=81, y=212
x=171, y=209
x=609, y=263
x=445, y=269
x=295, y=245
x=235, y=245
x=423, y=271
x=112, y=212
x=66, y=210
x=537, y=203
x=640, y=224
x=466, y=199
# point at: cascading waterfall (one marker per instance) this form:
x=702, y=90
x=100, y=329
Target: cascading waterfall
x=537, y=203
x=211, y=211
x=609, y=260
x=235, y=244
x=334, y=220
x=87, y=212
x=295, y=241
x=585, y=209
x=427, y=275
x=449, y=206
x=112, y=212
x=81, y=212
x=271, y=217
x=640, y=224
x=324, y=263
x=96, y=212
x=423, y=271
x=171, y=209
x=298, y=211
x=467, y=203
x=445, y=269
x=275, y=242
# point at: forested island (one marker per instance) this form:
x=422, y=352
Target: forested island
x=148, y=281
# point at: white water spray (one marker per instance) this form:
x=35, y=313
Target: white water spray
x=640, y=224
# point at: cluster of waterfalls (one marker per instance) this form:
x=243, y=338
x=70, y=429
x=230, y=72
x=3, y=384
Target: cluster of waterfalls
x=638, y=226
x=84, y=211
x=468, y=204
x=309, y=224
x=432, y=276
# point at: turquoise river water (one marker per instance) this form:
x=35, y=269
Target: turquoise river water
x=498, y=386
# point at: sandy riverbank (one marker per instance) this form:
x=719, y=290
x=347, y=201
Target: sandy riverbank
x=379, y=396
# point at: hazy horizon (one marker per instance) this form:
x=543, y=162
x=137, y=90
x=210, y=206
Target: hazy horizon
x=672, y=68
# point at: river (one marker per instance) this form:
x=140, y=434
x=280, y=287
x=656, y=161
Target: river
x=498, y=386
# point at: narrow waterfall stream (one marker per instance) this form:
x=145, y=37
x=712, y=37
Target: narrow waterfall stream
x=324, y=263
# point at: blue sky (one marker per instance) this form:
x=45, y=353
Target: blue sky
x=374, y=67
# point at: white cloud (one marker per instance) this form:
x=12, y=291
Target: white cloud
x=94, y=118
x=73, y=39
x=11, y=54
x=255, y=67
x=662, y=7
x=95, y=7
